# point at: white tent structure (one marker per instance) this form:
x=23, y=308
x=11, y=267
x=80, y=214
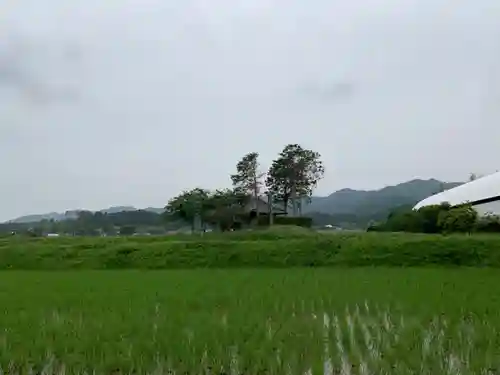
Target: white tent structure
x=483, y=193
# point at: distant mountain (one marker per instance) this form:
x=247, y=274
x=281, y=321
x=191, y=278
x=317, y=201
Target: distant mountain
x=155, y=210
x=368, y=203
x=347, y=204
x=73, y=214
x=36, y=218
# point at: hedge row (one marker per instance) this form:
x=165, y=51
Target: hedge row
x=366, y=249
x=300, y=221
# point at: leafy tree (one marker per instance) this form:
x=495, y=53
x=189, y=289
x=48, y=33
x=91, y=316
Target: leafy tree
x=127, y=230
x=191, y=206
x=200, y=207
x=430, y=217
x=403, y=221
x=225, y=207
x=458, y=219
x=295, y=173
x=440, y=218
x=36, y=231
x=488, y=223
x=86, y=224
x=247, y=179
x=424, y=220
x=136, y=218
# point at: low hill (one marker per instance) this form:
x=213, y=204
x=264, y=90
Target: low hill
x=348, y=208
x=370, y=202
x=72, y=214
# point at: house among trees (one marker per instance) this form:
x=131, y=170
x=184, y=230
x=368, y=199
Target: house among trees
x=261, y=205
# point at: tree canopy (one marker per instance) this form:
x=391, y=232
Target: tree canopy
x=294, y=174
x=200, y=207
x=442, y=218
x=247, y=179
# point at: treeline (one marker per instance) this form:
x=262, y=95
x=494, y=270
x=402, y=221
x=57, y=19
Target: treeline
x=142, y=222
x=442, y=218
x=288, y=183
x=89, y=223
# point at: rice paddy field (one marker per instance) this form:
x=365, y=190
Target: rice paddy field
x=251, y=321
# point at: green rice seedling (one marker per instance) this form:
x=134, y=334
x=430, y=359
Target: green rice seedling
x=294, y=321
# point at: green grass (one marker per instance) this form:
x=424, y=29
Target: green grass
x=259, y=249
x=392, y=321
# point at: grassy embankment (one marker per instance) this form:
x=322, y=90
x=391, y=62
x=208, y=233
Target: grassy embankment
x=275, y=248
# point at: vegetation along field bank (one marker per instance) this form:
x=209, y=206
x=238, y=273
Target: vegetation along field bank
x=273, y=249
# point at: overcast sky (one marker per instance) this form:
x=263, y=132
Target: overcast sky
x=127, y=102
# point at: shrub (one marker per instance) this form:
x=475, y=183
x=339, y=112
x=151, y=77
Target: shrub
x=408, y=221
x=299, y=221
x=488, y=224
x=431, y=219
x=127, y=230
x=459, y=219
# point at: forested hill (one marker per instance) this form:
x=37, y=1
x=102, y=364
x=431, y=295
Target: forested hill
x=370, y=202
x=345, y=205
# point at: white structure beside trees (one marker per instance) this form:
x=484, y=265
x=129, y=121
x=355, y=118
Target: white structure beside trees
x=482, y=193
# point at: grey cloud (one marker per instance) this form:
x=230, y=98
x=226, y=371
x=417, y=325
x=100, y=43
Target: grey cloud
x=329, y=92
x=13, y=70
x=26, y=71
x=167, y=95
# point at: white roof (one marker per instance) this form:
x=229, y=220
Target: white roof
x=482, y=188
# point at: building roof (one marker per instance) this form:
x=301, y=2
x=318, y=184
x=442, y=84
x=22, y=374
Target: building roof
x=486, y=187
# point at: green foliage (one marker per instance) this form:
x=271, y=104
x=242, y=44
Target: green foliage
x=247, y=179
x=488, y=224
x=405, y=221
x=251, y=249
x=127, y=230
x=431, y=219
x=299, y=221
x=226, y=207
x=296, y=171
x=219, y=207
x=91, y=224
x=274, y=322
x=188, y=205
x=458, y=219
x=357, y=208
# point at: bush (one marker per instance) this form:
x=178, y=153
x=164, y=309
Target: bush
x=429, y=217
x=409, y=221
x=299, y=221
x=127, y=230
x=432, y=219
x=309, y=249
x=488, y=224
x=459, y=219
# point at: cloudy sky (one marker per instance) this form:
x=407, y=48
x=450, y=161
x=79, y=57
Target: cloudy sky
x=130, y=101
